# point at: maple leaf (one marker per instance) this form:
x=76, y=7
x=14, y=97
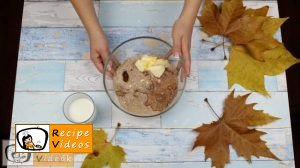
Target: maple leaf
x=232, y=129
x=257, y=12
x=232, y=20
x=263, y=39
x=210, y=19
x=249, y=73
x=244, y=29
x=231, y=10
x=104, y=153
x=254, y=52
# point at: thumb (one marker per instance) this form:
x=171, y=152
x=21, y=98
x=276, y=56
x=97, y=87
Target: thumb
x=97, y=60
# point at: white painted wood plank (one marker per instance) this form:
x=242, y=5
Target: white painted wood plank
x=47, y=108
x=129, y=121
x=51, y=14
x=282, y=83
x=82, y=75
x=40, y=76
x=191, y=111
x=174, y=145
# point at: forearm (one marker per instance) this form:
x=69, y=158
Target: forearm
x=190, y=11
x=86, y=11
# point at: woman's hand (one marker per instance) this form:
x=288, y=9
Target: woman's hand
x=182, y=36
x=182, y=32
x=99, y=50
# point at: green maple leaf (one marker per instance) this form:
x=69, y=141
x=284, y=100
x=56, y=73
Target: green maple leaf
x=104, y=153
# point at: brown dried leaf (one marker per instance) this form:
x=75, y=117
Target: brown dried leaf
x=209, y=19
x=233, y=129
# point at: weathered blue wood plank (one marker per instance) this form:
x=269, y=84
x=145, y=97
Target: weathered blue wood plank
x=175, y=145
x=52, y=43
x=73, y=43
x=39, y=108
x=129, y=121
x=213, y=77
x=205, y=76
x=191, y=111
x=47, y=108
x=153, y=13
x=114, y=13
x=40, y=76
x=147, y=13
x=232, y=164
x=104, y=109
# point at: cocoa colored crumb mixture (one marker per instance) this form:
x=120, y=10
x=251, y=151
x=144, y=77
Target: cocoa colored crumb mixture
x=141, y=93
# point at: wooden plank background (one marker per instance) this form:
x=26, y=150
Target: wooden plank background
x=54, y=63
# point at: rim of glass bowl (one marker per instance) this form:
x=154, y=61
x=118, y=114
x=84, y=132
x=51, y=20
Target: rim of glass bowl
x=109, y=59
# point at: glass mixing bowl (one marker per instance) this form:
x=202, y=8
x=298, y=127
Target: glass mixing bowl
x=140, y=46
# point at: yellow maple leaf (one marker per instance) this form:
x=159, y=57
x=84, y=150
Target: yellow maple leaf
x=232, y=129
x=104, y=153
x=249, y=73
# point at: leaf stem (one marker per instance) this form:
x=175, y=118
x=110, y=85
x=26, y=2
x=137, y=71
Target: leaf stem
x=218, y=45
x=206, y=100
x=117, y=129
x=215, y=43
x=225, y=57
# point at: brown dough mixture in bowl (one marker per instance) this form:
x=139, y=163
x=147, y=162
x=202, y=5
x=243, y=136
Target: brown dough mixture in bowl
x=141, y=93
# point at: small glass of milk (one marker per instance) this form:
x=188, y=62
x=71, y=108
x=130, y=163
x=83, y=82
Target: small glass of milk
x=80, y=108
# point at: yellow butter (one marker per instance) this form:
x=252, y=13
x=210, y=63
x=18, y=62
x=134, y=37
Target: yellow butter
x=157, y=70
x=152, y=64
